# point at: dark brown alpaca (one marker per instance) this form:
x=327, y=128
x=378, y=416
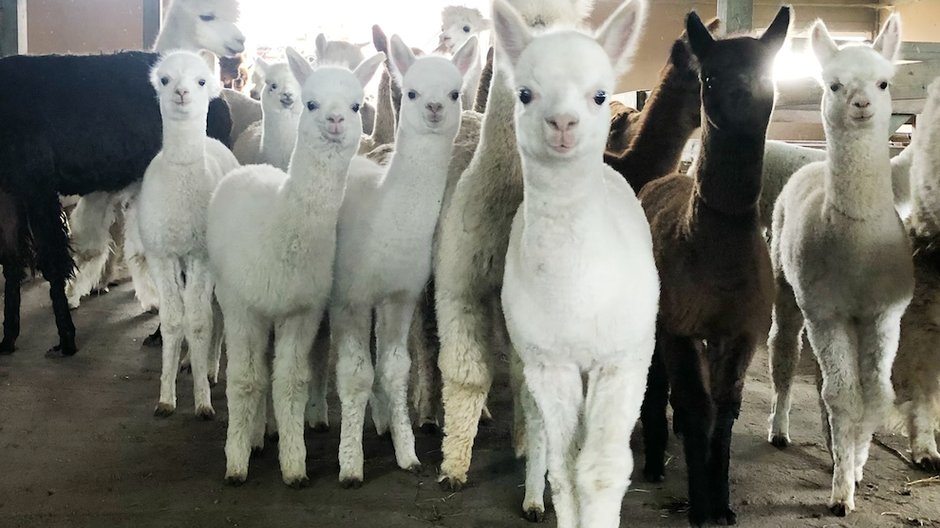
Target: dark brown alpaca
x=669, y=118
x=623, y=120
x=717, y=284
x=15, y=256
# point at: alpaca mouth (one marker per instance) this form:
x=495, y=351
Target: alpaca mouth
x=333, y=137
x=234, y=51
x=862, y=118
x=287, y=101
x=562, y=148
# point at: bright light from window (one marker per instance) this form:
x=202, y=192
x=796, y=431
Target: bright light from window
x=796, y=64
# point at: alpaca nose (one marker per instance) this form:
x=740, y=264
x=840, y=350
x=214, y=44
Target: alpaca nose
x=335, y=119
x=862, y=103
x=563, y=122
x=182, y=92
x=435, y=107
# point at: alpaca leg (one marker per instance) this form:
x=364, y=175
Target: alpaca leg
x=694, y=414
x=611, y=409
x=317, y=410
x=349, y=327
x=115, y=271
x=520, y=418
x=13, y=277
x=877, y=346
x=466, y=376
x=558, y=392
x=246, y=383
x=835, y=344
x=270, y=425
x=90, y=240
x=168, y=275
x=427, y=379
x=921, y=426
x=198, y=319
x=144, y=288
x=784, y=349
x=533, y=505
x=653, y=416
x=50, y=236
x=393, y=367
x=290, y=385
x=215, y=347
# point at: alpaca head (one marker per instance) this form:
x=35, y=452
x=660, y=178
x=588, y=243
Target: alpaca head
x=737, y=73
x=338, y=52
x=548, y=13
x=184, y=85
x=458, y=24
x=212, y=24
x=562, y=79
x=855, y=79
x=682, y=63
x=330, y=98
x=257, y=82
x=431, y=87
x=281, y=91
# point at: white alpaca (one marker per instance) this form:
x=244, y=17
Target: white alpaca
x=272, y=238
x=916, y=372
x=383, y=255
x=272, y=140
x=172, y=206
x=581, y=289
x=458, y=24
x=843, y=260
x=192, y=25
x=468, y=267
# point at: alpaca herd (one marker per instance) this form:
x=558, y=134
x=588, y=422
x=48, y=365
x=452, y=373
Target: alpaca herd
x=489, y=212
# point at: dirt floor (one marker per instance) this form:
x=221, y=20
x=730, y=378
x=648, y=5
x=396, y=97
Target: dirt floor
x=79, y=447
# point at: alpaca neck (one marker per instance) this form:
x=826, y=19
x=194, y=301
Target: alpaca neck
x=184, y=142
x=858, y=180
x=728, y=175
x=559, y=198
x=317, y=178
x=172, y=36
x=925, y=179
x=498, y=132
x=278, y=135
x=417, y=173
x=471, y=85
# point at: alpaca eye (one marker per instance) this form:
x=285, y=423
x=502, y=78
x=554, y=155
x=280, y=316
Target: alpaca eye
x=355, y=107
x=164, y=81
x=202, y=82
x=835, y=87
x=883, y=85
x=525, y=96
x=312, y=106
x=207, y=18
x=454, y=95
x=412, y=95
x=600, y=97
x=274, y=86
x=466, y=29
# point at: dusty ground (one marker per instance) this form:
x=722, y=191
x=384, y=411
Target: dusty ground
x=79, y=447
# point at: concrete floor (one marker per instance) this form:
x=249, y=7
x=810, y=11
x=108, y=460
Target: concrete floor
x=79, y=447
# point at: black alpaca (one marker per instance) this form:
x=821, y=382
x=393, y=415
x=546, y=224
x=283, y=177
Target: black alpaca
x=72, y=124
x=717, y=285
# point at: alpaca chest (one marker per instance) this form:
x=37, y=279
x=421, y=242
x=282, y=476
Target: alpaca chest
x=173, y=205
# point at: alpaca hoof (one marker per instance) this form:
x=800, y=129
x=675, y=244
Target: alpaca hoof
x=928, y=464
x=450, y=484
x=6, y=347
x=61, y=351
x=430, y=429
x=839, y=509
x=725, y=517
x=780, y=441
x=205, y=413
x=256, y=452
x=534, y=515
x=350, y=483
x=654, y=475
x=414, y=469
x=297, y=483
x=320, y=427
x=164, y=410
x=154, y=340
x=235, y=480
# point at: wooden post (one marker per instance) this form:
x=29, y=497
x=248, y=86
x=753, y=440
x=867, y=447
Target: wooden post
x=153, y=14
x=12, y=27
x=737, y=16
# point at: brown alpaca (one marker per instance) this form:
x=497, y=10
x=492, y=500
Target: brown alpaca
x=623, y=120
x=717, y=284
x=483, y=89
x=669, y=118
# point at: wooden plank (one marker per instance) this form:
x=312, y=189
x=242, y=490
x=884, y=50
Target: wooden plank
x=153, y=14
x=12, y=27
x=737, y=16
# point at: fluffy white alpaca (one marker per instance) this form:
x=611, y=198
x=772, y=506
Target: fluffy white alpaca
x=916, y=372
x=843, y=260
x=581, y=291
x=189, y=25
x=272, y=238
x=468, y=266
x=172, y=206
x=383, y=255
x=458, y=24
x=272, y=140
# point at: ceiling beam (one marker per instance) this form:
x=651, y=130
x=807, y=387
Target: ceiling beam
x=12, y=27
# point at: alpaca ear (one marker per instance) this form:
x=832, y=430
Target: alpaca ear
x=262, y=66
x=680, y=56
x=466, y=56
x=889, y=40
x=821, y=42
x=379, y=40
x=776, y=33
x=583, y=8
x=620, y=33
x=366, y=69
x=299, y=66
x=512, y=34
x=321, y=48
x=700, y=40
x=402, y=58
